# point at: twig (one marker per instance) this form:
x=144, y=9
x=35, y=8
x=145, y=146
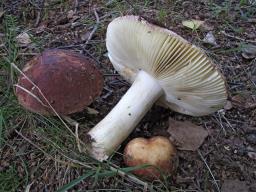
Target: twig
x=76, y=5
x=203, y=159
x=31, y=94
x=73, y=161
x=39, y=148
x=94, y=28
x=20, y=54
x=74, y=123
x=222, y=115
x=112, y=168
x=136, y=11
x=220, y=123
x=132, y=178
x=91, y=56
x=39, y=13
x=238, y=38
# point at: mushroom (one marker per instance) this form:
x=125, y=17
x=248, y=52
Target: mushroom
x=163, y=67
x=69, y=81
x=157, y=152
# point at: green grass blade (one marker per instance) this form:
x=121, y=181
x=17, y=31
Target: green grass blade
x=75, y=182
x=98, y=175
x=1, y=128
x=129, y=169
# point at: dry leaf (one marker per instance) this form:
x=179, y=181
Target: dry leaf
x=249, y=51
x=252, y=2
x=251, y=137
x=228, y=105
x=234, y=186
x=243, y=101
x=23, y=39
x=192, y=24
x=207, y=27
x=70, y=14
x=1, y=13
x=210, y=39
x=85, y=36
x=186, y=135
x=92, y=111
x=251, y=153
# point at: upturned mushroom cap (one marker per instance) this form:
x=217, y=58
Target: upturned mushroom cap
x=68, y=80
x=157, y=151
x=192, y=85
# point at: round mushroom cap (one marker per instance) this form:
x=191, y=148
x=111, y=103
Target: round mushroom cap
x=157, y=151
x=68, y=80
x=192, y=85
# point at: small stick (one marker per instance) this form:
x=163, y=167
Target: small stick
x=39, y=13
x=94, y=28
x=132, y=178
x=39, y=148
x=238, y=38
x=133, y=7
x=20, y=54
x=215, y=182
x=74, y=123
x=112, y=168
x=76, y=5
x=220, y=123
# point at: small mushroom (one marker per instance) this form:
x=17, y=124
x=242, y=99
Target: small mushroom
x=158, y=152
x=69, y=81
x=163, y=67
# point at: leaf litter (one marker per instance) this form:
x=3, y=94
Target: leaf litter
x=186, y=135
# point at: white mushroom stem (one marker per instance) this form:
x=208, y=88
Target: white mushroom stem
x=109, y=133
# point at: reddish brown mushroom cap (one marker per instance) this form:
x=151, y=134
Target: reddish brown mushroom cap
x=157, y=151
x=68, y=80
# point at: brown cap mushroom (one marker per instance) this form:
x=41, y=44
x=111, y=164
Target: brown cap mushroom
x=162, y=67
x=68, y=80
x=157, y=151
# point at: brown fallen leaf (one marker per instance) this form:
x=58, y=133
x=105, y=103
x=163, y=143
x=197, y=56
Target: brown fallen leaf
x=243, y=101
x=210, y=39
x=92, y=111
x=234, y=186
x=251, y=152
x=228, y=105
x=70, y=14
x=1, y=13
x=23, y=39
x=186, y=135
x=250, y=136
x=249, y=51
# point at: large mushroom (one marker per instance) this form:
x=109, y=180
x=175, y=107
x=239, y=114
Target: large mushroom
x=162, y=67
x=58, y=81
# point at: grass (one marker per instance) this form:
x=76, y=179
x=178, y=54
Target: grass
x=9, y=180
x=10, y=112
x=2, y=128
x=10, y=109
x=55, y=141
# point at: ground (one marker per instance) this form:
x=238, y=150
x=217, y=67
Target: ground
x=38, y=153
